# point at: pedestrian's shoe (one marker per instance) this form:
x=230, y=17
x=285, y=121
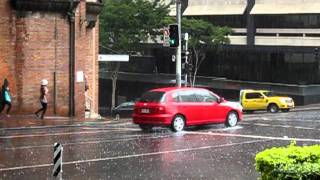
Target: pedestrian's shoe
x=37, y=115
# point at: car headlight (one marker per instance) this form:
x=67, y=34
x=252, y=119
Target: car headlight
x=283, y=100
x=286, y=100
x=289, y=100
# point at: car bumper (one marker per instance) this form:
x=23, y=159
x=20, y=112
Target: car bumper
x=160, y=120
x=287, y=106
x=240, y=114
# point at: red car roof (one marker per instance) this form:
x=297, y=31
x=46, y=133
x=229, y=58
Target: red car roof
x=167, y=89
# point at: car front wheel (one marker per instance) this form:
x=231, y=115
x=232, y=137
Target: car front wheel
x=178, y=123
x=273, y=108
x=232, y=119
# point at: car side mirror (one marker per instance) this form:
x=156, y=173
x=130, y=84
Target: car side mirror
x=220, y=100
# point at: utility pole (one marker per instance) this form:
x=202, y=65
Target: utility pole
x=186, y=62
x=178, y=53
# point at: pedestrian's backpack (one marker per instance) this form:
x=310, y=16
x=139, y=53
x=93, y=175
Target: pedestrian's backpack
x=7, y=96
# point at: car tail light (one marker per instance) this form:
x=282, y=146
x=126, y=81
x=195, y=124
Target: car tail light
x=160, y=110
x=136, y=110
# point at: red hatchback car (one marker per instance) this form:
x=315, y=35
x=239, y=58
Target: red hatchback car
x=180, y=107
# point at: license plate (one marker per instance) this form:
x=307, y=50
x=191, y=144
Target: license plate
x=145, y=111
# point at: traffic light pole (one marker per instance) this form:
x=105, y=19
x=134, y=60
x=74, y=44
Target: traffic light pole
x=186, y=63
x=178, y=53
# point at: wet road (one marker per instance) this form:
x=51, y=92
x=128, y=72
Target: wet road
x=119, y=150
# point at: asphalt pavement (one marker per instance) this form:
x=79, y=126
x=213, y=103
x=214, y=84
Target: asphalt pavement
x=110, y=149
x=20, y=121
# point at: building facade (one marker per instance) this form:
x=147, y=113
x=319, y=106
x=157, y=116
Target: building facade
x=273, y=41
x=55, y=40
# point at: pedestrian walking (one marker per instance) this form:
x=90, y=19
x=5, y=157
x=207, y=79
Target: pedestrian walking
x=6, y=97
x=43, y=98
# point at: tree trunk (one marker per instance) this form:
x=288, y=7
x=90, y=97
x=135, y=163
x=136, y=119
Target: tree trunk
x=199, y=58
x=114, y=85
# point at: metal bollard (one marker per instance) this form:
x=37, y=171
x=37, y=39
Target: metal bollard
x=57, y=160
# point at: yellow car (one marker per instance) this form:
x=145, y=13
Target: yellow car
x=252, y=100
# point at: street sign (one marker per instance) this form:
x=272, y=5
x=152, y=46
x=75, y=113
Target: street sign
x=113, y=58
x=166, y=37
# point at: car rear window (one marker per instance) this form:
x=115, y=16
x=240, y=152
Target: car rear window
x=153, y=96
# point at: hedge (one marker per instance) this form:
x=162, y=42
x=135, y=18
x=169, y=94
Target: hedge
x=289, y=163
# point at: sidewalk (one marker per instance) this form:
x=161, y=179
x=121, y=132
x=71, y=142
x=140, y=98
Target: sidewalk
x=30, y=121
x=308, y=107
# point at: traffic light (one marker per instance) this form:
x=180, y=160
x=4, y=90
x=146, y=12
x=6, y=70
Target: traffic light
x=174, y=35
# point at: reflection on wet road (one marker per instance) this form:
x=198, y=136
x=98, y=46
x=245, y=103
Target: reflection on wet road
x=119, y=150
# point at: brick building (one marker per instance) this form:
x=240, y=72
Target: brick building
x=55, y=40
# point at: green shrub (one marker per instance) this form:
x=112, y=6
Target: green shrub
x=289, y=163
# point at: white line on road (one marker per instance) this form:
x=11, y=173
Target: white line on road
x=68, y=133
x=281, y=126
x=246, y=119
x=130, y=156
x=261, y=124
x=126, y=138
x=253, y=136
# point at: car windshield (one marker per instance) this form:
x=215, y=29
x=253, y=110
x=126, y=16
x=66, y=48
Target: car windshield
x=269, y=93
x=153, y=96
x=126, y=104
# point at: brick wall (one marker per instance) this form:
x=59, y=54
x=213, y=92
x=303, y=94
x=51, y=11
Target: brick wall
x=7, y=47
x=34, y=46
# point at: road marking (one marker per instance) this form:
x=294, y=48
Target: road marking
x=126, y=138
x=120, y=124
x=41, y=127
x=261, y=124
x=281, y=120
x=68, y=133
x=282, y=126
x=253, y=136
x=131, y=156
x=307, y=128
x=78, y=124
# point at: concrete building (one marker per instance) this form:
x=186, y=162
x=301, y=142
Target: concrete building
x=55, y=40
x=274, y=44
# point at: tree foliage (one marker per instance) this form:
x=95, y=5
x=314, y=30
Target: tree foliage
x=126, y=23
x=203, y=36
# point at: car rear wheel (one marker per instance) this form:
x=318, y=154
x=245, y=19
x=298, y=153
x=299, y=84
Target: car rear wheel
x=145, y=128
x=232, y=119
x=273, y=108
x=178, y=123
